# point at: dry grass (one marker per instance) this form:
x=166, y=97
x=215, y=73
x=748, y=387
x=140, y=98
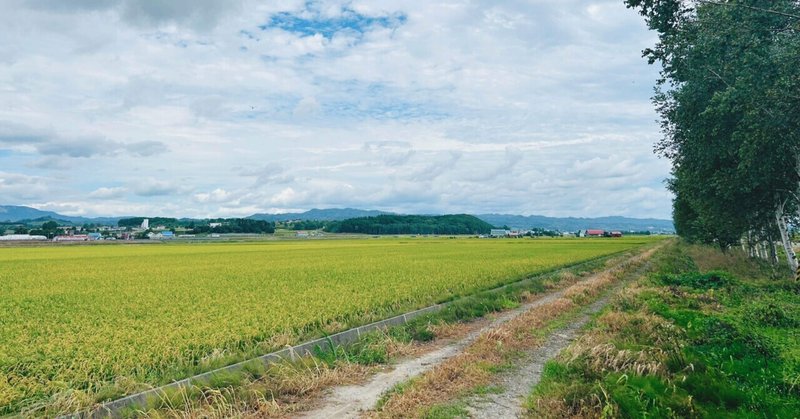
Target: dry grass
x=498, y=347
x=286, y=387
x=459, y=375
x=453, y=330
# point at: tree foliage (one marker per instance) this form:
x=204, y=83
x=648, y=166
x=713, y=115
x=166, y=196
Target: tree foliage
x=729, y=100
x=412, y=224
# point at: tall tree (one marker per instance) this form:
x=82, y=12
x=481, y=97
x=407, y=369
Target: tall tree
x=729, y=98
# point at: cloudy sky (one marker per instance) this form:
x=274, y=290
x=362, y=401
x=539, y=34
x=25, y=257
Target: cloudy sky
x=226, y=108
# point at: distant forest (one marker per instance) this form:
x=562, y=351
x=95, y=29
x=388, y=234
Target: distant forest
x=411, y=224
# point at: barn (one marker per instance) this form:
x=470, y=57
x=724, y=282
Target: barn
x=594, y=233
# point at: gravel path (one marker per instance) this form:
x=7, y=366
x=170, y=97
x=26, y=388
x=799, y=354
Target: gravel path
x=351, y=401
x=516, y=384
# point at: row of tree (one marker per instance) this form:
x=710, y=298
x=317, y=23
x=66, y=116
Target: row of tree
x=729, y=101
x=411, y=224
x=235, y=225
x=221, y=225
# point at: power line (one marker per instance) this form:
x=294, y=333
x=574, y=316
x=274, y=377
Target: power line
x=776, y=12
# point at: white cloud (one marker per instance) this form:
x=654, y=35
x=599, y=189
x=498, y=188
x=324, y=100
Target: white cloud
x=216, y=196
x=211, y=108
x=106, y=193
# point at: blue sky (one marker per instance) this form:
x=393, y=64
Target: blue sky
x=226, y=108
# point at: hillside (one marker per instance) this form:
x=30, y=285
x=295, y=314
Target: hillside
x=412, y=224
x=16, y=213
x=329, y=214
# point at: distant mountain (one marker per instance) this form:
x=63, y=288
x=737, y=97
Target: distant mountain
x=15, y=213
x=12, y=213
x=329, y=214
x=575, y=224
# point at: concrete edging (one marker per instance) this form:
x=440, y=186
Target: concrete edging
x=140, y=400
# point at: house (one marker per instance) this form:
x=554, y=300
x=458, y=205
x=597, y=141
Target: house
x=594, y=233
x=215, y=225
x=616, y=234
x=95, y=236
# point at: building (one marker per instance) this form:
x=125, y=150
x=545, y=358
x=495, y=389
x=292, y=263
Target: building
x=215, y=225
x=616, y=234
x=498, y=232
x=95, y=236
x=594, y=233
x=162, y=235
x=145, y=224
x=72, y=238
x=21, y=237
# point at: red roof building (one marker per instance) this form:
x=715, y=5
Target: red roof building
x=594, y=232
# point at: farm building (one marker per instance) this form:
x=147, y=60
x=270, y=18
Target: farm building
x=616, y=234
x=163, y=235
x=498, y=232
x=73, y=238
x=594, y=233
x=21, y=237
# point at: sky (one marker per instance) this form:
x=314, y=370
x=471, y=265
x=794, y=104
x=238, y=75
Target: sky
x=209, y=108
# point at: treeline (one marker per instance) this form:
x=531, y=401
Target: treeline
x=729, y=101
x=411, y=224
x=225, y=225
x=155, y=221
x=235, y=225
x=303, y=224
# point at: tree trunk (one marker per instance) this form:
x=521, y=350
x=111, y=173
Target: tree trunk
x=773, y=251
x=787, y=244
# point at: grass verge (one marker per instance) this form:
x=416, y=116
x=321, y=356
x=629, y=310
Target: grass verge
x=708, y=335
x=438, y=392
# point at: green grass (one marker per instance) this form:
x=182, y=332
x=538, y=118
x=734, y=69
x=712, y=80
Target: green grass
x=718, y=342
x=87, y=323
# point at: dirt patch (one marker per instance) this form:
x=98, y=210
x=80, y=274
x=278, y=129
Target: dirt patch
x=518, y=383
x=352, y=401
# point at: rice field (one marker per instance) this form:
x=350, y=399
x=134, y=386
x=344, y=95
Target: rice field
x=82, y=324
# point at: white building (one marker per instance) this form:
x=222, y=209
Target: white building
x=21, y=237
x=498, y=232
x=146, y=224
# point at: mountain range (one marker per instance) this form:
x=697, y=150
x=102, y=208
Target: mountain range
x=12, y=213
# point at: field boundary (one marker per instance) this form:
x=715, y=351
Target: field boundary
x=114, y=408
